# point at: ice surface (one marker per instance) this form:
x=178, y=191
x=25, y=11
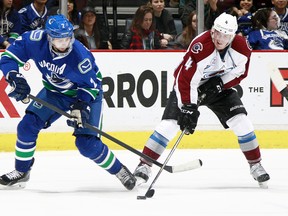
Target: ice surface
x=65, y=183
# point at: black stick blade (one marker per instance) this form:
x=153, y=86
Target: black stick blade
x=150, y=193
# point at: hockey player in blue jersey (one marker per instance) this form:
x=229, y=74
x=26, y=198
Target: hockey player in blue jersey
x=34, y=15
x=72, y=81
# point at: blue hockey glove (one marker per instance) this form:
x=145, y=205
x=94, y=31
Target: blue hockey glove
x=80, y=114
x=188, y=118
x=20, y=88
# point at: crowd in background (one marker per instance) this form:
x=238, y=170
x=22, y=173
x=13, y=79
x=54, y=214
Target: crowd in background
x=263, y=23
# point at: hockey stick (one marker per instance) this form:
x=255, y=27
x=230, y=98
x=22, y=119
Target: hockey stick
x=278, y=80
x=172, y=169
x=150, y=192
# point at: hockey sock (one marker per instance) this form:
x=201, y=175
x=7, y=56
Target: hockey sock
x=27, y=133
x=250, y=147
x=108, y=161
x=93, y=148
x=155, y=146
x=243, y=128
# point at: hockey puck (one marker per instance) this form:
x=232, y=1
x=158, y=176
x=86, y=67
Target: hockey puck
x=141, y=197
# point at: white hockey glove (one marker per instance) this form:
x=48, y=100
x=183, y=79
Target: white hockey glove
x=80, y=114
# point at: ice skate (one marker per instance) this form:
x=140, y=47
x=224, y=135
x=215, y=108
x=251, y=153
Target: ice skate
x=259, y=174
x=142, y=173
x=14, y=180
x=126, y=178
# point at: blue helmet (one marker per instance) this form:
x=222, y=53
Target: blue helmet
x=58, y=26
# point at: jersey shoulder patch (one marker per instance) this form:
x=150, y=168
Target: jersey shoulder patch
x=202, y=46
x=85, y=66
x=36, y=35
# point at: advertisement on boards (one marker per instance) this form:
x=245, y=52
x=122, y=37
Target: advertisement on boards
x=137, y=84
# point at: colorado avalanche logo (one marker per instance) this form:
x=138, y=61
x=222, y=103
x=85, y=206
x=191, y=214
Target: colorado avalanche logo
x=196, y=48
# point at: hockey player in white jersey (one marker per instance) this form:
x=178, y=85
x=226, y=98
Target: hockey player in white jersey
x=215, y=62
x=72, y=81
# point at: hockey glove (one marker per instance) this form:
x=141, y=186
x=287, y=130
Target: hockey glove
x=284, y=93
x=210, y=89
x=20, y=88
x=80, y=114
x=188, y=118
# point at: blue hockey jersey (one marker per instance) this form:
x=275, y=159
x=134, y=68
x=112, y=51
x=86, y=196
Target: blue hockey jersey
x=268, y=40
x=283, y=21
x=31, y=19
x=75, y=75
x=10, y=26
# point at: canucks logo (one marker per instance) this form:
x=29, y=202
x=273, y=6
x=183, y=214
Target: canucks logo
x=53, y=74
x=58, y=81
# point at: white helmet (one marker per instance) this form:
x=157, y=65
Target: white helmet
x=226, y=24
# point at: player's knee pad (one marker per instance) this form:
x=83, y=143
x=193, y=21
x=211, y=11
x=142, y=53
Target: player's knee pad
x=168, y=128
x=89, y=146
x=240, y=124
x=29, y=127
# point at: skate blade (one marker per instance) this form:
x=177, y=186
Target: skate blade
x=263, y=185
x=17, y=186
x=139, y=181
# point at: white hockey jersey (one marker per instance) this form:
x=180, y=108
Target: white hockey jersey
x=202, y=61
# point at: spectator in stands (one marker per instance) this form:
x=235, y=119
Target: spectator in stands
x=224, y=5
x=90, y=30
x=266, y=35
x=243, y=11
x=210, y=11
x=141, y=34
x=164, y=21
x=184, y=39
x=280, y=6
x=34, y=15
x=73, y=14
x=10, y=24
